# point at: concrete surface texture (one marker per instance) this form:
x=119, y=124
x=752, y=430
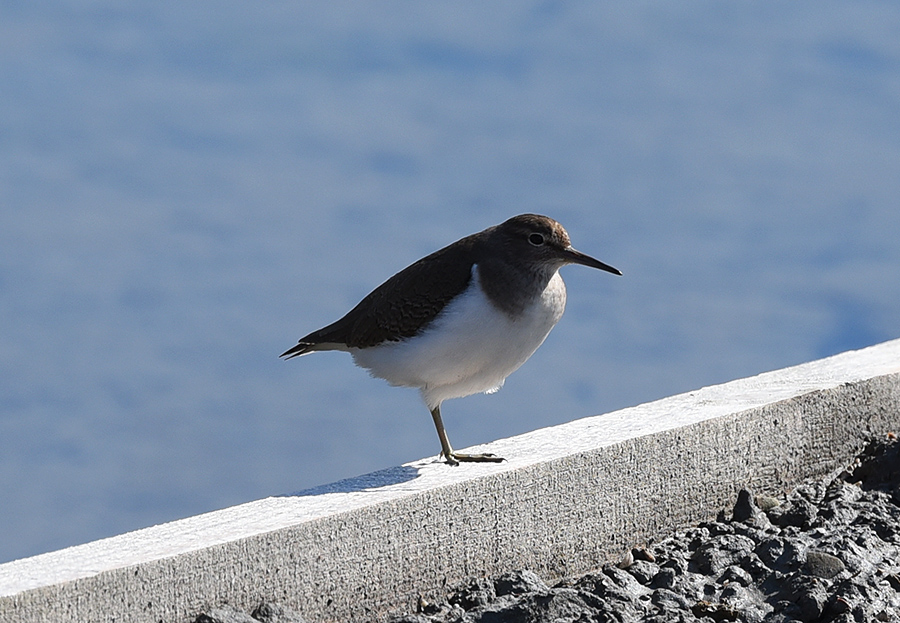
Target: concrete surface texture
x=827, y=551
x=568, y=498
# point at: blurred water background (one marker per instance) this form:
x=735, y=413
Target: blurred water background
x=187, y=188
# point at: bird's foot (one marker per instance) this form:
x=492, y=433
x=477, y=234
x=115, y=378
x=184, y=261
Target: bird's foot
x=455, y=458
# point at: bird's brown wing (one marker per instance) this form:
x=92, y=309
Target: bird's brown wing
x=403, y=305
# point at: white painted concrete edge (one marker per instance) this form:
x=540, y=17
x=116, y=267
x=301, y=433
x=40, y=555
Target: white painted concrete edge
x=428, y=475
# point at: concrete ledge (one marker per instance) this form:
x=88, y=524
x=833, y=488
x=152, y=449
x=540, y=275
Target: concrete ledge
x=569, y=498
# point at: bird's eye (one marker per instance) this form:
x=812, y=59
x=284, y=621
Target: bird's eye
x=536, y=239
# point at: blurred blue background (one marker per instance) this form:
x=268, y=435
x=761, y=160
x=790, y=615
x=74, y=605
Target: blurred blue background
x=187, y=188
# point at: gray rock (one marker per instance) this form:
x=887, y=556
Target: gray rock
x=745, y=508
x=797, y=512
x=670, y=601
x=735, y=575
x=643, y=571
x=478, y=592
x=755, y=567
x=665, y=579
x=767, y=502
x=519, y=582
x=563, y=604
x=224, y=614
x=823, y=565
x=613, y=585
x=641, y=553
x=627, y=560
x=270, y=612
x=809, y=594
x=781, y=553
x=721, y=552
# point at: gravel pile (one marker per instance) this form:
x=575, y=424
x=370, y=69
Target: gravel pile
x=829, y=551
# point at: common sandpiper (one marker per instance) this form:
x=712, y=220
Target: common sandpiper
x=461, y=320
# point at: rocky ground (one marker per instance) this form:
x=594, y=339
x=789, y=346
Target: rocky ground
x=829, y=551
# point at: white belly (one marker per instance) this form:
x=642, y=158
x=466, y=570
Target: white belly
x=470, y=348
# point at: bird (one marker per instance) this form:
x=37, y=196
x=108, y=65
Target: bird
x=461, y=320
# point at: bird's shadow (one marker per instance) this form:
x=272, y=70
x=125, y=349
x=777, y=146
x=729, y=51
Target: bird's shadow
x=366, y=482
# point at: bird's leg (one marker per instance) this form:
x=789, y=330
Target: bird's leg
x=454, y=458
x=446, y=449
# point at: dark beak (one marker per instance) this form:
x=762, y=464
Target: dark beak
x=577, y=257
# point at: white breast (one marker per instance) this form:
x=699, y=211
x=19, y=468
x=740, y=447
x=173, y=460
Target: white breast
x=471, y=347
